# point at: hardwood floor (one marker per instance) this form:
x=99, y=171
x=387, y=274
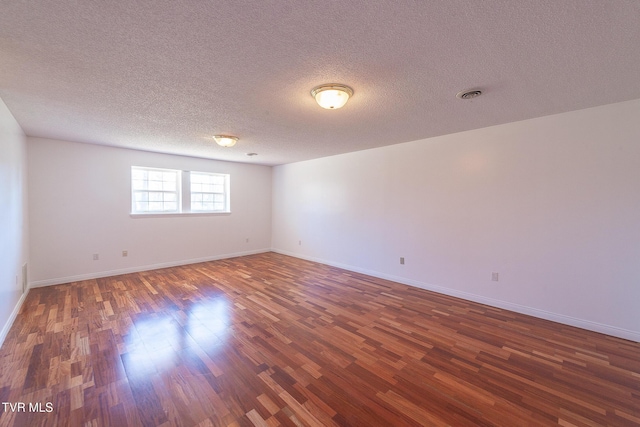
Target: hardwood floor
x=270, y=340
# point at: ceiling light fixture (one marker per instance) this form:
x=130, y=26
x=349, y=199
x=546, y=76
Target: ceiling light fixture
x=226, y=140
x=332, y=96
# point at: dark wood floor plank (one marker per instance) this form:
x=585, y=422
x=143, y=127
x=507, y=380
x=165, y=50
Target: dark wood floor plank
x=270, y=340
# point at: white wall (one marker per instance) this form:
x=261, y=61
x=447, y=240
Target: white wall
x=13, y=217
x=79, y=205
x=551, y=204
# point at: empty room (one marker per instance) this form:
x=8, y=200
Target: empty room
x=320, y=213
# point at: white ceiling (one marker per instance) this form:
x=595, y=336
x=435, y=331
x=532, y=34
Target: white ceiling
x=167, y=75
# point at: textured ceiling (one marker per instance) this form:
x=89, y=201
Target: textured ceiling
x=167, y=75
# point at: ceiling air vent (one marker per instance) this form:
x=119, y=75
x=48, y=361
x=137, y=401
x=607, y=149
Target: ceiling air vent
x=469, y=94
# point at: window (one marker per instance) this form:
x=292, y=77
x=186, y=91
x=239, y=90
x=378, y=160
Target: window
x=158, y=191
x=155, y=190
x=209, y=192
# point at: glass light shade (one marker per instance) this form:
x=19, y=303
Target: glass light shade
x=332, y=96
x=226, y=140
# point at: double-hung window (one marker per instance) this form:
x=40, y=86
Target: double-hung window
x=169, y=191
x=209, y=192
x=155, y=190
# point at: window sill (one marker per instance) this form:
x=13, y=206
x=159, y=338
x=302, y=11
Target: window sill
x=168, y=215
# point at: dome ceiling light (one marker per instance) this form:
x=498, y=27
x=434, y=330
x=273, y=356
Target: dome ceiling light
x=226, y=140
x=332, y=96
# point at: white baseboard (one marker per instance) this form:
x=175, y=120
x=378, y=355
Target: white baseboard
x=531, y=311
x=108, y=273
x=12, y=317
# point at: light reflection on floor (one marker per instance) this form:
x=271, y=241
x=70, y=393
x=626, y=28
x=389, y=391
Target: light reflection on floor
x=156, y=341
x=214, y=315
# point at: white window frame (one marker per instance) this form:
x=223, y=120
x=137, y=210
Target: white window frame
x=183, y=193
x=217, y=192
x=162, y=191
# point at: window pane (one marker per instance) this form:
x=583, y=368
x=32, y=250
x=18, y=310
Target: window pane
x=139, y=184
x=142, y=196
x=155, y=185
x=137, y=174
x=155, y=175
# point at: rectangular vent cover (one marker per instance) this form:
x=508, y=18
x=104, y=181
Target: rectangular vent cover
x=24, y=278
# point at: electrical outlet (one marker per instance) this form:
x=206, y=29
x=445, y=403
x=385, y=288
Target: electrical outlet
x=402, y=260
x=299, y=242
x=125, y=253
x=96, y=257
x=494, y=276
